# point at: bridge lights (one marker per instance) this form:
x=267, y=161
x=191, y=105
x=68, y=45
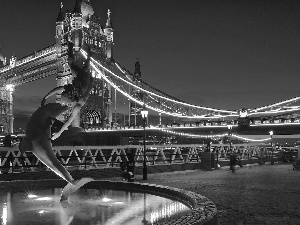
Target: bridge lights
x=144, y=114
x=10, y=87
x=271, y=135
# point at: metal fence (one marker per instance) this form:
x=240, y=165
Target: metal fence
x=86, y=157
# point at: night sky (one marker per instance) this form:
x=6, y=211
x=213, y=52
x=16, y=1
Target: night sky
x=214, y=53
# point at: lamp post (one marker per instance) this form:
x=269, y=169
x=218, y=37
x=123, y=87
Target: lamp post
x=124, y=115
x=271, y=134
x=229, y=134
x=144, y=113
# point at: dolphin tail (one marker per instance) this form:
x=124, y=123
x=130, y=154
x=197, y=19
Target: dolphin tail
x=72, y=187
x=42, y=149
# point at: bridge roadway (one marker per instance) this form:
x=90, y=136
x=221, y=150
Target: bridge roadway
x=121, y=135
x=282, y=129
x=285, y=133
x=281, y=132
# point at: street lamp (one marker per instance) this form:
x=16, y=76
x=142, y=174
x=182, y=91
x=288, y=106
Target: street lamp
x=271, y=134
x=124, y=114
x=144, y=113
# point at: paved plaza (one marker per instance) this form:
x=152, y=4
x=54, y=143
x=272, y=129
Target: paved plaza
x=265, y=194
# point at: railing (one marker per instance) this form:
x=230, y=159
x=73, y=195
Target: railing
x=87, y=157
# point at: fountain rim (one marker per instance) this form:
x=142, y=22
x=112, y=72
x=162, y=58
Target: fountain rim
x=203, y=210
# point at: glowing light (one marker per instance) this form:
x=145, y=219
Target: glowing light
x=274, y=112
x=276, y=124
x=4, y=215
x=119, y=203
x=277, y=104
x=41, y=212
x=249, y=139
x=144, y=113
x=44, y=199
x=105, y=199
x=243, y=113
x=32, y=196
x=10, y=87
x=211, y=136
x=167, y=211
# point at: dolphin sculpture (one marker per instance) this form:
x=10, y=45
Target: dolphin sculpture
x=38, y=141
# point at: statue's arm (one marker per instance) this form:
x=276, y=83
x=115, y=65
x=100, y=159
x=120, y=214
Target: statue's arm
x=56, y=90
x=75, y=111
x=88, y=60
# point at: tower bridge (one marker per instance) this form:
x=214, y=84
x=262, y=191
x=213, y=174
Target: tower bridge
x=84, y=29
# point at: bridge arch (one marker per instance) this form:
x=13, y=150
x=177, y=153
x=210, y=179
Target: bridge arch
x=93, y=117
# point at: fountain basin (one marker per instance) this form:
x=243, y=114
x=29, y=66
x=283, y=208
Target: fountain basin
x=103, y=202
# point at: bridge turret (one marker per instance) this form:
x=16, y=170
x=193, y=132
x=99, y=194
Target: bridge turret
x=137, y=70
x=60, y=23
x=76, y=26
x=2, y=59
x=12, y=61
x=109, y=33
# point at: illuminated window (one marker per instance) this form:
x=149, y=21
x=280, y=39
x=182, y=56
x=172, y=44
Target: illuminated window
x=93, y=117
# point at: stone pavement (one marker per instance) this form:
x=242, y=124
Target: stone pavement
x=266, y=194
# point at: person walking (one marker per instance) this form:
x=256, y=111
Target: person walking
x=232, y=162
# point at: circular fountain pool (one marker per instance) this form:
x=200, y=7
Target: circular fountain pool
x=100, y=202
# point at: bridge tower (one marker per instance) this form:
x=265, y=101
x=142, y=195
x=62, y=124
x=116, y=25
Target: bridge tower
x=109, y=32
x=83, y=28
x=135, y=109
x=6, y=102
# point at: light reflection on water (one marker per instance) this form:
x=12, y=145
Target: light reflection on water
x=87, y=206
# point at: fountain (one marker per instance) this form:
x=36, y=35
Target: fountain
x=102, y=202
